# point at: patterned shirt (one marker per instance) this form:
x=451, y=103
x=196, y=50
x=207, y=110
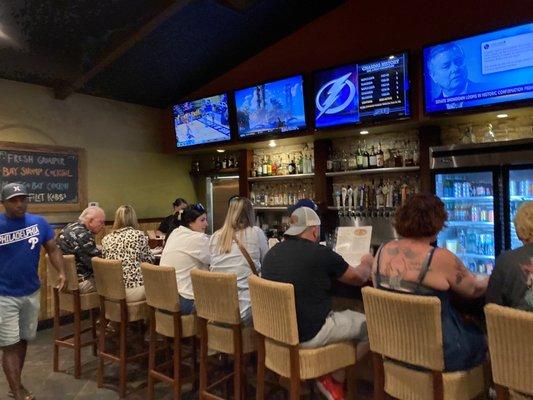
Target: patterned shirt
x=76, y=239
x=130, y=246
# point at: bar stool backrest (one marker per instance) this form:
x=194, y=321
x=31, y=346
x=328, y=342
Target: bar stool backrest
x=161, y=287
x=215, y=296
x=109, y=278
x=511, y=347
x=274, y=310
x=70, y=272
x=405, y=327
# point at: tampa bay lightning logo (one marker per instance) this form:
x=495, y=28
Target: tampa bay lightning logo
x=334, y=89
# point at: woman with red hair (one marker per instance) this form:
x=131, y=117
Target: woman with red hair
x=412, y=265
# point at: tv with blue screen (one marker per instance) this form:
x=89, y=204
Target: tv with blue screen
x=273, y=107
x=482, y=70
x=363, y=92
x=201, y=121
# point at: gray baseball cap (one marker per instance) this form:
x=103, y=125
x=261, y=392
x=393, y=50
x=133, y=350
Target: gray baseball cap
x=13, y=190
x=301, y=219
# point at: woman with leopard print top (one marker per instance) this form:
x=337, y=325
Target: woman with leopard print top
x=130, y=245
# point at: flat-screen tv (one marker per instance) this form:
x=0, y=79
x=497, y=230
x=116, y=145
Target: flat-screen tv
x=482, y=70
x=272, y=107
x=364, y=92
x=201, y=121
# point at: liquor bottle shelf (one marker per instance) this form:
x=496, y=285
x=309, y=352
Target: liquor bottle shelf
x=521, y=198
x=270, y=208
x=471, y=224
x=477, y=256
x=373, y=171
x=279, y=177
x=472, y=198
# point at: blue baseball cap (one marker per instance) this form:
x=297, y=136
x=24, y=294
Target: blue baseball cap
x=303, y=203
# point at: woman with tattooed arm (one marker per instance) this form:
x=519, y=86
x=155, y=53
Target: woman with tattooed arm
x=412, y=265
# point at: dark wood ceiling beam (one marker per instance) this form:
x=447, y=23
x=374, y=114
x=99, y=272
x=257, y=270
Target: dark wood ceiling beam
x=108, y=58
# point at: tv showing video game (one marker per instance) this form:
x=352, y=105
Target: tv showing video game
x=273, y=107
x=363, y=92
x=482, y=70
x=201, y=121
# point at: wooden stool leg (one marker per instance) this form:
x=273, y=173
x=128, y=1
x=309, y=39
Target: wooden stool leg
x=351, y=382
x=56, y=329
x=194, y=366
x=122, y=350
x=202, y=327
x=151, y=355
x=379, y=377
x=260, y=388
x=295, y=373
x=77, y=336
x=177, y=365
x=92, y=315
x=237, y=363
x=101, y=343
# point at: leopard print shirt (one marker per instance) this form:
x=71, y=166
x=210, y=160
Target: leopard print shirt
x=130, y=246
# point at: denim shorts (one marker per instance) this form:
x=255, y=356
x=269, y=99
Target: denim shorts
x=18, y=318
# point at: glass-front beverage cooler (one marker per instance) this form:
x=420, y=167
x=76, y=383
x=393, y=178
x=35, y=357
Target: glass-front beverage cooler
x=482, y=187
x=470, y=230
x=520, y=190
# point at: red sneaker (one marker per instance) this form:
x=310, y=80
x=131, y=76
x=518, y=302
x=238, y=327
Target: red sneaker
x=330, y=388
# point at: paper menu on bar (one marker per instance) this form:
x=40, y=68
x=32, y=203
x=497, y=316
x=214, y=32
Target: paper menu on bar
x=353, y=242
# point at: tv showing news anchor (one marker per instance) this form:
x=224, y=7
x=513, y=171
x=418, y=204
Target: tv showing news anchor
x=491, y=68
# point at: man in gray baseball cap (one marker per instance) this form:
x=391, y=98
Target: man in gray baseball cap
x=311, y=268
x=21, y=236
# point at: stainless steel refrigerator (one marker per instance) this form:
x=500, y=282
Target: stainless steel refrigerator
x=218, y=192
x=482, y=186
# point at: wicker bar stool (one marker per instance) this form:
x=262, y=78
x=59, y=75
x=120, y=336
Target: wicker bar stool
x=72, y=301
x=274, y=314
x=511, y=350
x=220, y=328
x=165, y=318
x=109, y=279
x=405, y=328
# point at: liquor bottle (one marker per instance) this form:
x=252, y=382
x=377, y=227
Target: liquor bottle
x=380, y=161
x=329, y=163
x=359, y=158
x=292, y=168
x=300, y=165
x=236, y=162
x=269, y=166
x=275, y=166
x=265, y=167
x=218, y=163
x=225, y=162
x=352, y=160
x=231, y=163
x=366, y=158
x=253, y=172
x=416, y=155
x=259, y=168
x=372, y=159
x=252, y=196
x=408, y=155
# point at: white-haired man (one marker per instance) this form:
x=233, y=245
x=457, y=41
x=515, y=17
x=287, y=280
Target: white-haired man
x=78, y=238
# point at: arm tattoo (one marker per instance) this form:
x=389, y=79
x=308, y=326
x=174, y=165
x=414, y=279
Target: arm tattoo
x=393, y=251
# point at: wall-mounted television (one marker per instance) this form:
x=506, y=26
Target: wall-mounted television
x=272, y=107
x=363, y=92
x=482, y=70
x=201, y=121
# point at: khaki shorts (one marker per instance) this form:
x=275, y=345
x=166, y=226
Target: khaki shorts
x=18, y=318
x=338, y=327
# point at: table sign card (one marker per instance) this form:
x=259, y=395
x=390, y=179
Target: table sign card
x=353, y=242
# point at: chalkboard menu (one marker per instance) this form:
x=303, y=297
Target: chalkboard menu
x=54, y=176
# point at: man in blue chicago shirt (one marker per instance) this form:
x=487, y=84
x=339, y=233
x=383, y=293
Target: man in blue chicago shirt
x=21, y=237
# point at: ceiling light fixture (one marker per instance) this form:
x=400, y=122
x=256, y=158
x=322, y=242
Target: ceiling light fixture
x=221, y=151
x=365, y=132
x=272, y=143
x=502, y=115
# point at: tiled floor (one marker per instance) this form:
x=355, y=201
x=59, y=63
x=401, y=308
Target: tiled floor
x=45, y=384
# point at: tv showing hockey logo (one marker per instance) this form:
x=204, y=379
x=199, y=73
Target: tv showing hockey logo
x=271, y=107
x=202, y=121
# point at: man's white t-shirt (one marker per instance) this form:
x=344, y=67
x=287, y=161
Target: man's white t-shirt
x=186, y=250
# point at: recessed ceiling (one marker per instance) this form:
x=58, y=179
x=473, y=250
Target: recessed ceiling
x=150, y=52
